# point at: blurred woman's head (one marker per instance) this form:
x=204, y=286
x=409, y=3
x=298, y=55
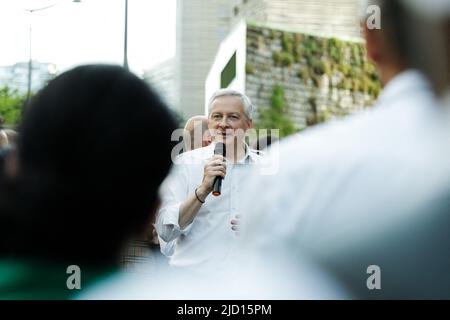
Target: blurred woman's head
x=94, y=147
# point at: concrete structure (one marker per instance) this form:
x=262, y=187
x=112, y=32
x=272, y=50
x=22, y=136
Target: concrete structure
x=316, y=87
x=232, y=53
x=203, y=25
x=329, y=18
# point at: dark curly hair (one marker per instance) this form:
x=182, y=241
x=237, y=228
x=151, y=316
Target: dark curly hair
x=95, y=146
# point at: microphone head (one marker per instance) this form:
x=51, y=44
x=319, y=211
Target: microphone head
x=220, y=149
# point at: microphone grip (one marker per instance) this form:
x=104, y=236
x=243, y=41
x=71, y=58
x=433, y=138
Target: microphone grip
x=217, y=186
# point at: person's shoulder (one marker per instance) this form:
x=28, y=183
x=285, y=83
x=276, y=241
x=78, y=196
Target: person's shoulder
x=384, y=124
x=198, y=154
x=329, y=145
x=322, y=135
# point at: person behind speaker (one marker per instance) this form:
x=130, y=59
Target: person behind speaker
x=196, y=134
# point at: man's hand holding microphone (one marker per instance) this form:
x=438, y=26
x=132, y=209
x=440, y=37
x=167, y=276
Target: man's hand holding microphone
x=213, y=173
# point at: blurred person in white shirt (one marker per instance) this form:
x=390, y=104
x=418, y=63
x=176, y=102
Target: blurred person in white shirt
x=371, y=189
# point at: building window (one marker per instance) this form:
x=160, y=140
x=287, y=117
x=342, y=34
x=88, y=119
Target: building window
x=229, y=72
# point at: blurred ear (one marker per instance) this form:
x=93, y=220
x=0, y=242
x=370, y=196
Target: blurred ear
x=250, y=123
x=373, y=44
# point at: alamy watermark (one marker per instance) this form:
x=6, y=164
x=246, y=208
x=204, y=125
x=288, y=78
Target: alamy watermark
x=374, y=280
x=373, y=20
x=74, y=280
x=267, y=165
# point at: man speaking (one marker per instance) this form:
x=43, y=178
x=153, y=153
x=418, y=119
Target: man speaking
x=195, y=227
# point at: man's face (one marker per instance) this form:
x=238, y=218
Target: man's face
x=228, y=120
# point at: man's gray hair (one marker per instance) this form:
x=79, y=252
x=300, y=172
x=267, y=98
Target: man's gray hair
x=246, y=102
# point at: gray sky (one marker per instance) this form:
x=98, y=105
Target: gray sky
x=70, y=34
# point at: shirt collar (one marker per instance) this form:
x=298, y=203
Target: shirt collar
x=407, y=82
x=251, y=156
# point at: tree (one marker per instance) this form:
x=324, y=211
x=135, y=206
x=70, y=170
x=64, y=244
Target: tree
x=11, y=103
x=276, y=117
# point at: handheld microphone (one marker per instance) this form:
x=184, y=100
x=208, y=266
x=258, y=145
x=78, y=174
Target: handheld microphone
x=217, y=185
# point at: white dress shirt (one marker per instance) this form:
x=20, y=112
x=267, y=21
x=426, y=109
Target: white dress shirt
x=209, y=237
x=363, y=177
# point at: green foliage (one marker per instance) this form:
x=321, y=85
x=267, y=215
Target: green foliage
x=346, y=69
x=297, y=52
x=324, y=44
x=277, y=99
x=275, y=117
x=369, y=68
x=304, y=74
x=371, y=87
x=335, y=47
x=11, y=103
x=313, y=104
x=311, y=58
x=322, y=56
x=252, y=44
x=273, y=34
x=336, y=55
x=266, y=67
x=286, y=42
x=311, y=46
x=315, y=116
x=284, y=59
x=298, y=38
x=357, y=85
x=249, y=69
x=320, y=67
x=346, y=84
x=287, y=59
x=276, y=56
x=356, y=56
x=315, y=80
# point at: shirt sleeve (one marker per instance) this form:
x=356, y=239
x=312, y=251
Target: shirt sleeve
x=167, y=248
x=173, y=192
